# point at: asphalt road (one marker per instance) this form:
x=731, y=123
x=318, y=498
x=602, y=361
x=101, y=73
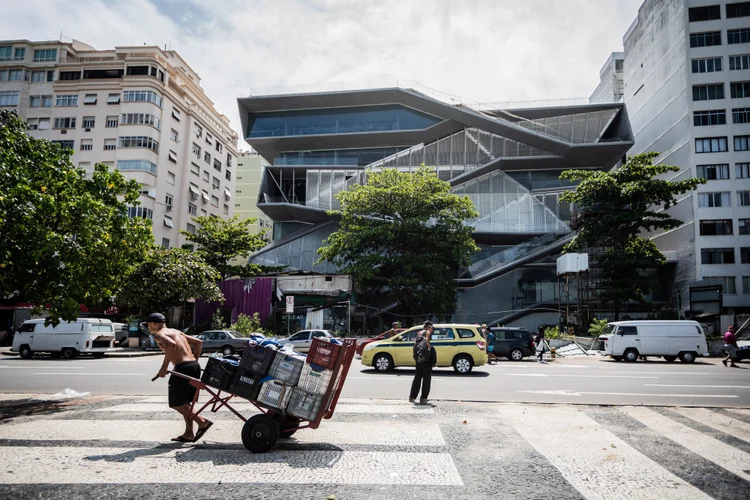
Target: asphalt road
x=591, y=380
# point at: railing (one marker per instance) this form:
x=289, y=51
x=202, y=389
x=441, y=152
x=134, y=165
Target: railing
x=510, y=255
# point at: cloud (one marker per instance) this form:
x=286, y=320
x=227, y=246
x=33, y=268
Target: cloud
x=484, y=50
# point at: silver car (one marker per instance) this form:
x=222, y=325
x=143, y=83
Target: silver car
x=302, y=339
x=225, y=341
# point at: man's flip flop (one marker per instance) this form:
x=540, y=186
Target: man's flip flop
x=202, y=431
x=180, y=439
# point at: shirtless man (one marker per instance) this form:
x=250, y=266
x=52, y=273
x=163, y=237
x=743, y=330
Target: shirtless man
x=182, y=352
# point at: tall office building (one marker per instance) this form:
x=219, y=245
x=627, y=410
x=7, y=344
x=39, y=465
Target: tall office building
x=138, y=109
x=250, y=167
x=686, y=77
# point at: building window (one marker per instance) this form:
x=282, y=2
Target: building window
x=717, y=256
x=35, y=101
x=190, y=228
x=229, y=160
x=739, y=9
x=741, y=142
x=45, y=55
x=741, y=35
x=745, y=255
x=203, y=213
x=111, y=122
x=64, y=144
x=713, y=117
x=140, y=119
x=165, y=243
x=170, y=178
x=113, y=99
x=195, y=169
x=722, y=227
x=226, y=209
x=33, y=123
x=742, y=170
x=708, y=39
x=146, y=213
x=70, y=75
x=44, y=123
x=209, y=138
x=710, y=200
x=741, y=62
x=8, y=98
x=143, y=165
x=192, y=209
x=743, y=198
x=139, y=141
x=38, y=76
x=173, y=135
x=707, y=13
x=198, y=131
x=176, y=114
x=172, y=156
x=142, y=96
x=217, y=165
x=206, y=175
x=168, y=221
x=216, y=183
x=739, y=90
x=228, y=175
x=711, y=145
x=713, y=172
x=708, y=92
x=746, y=285
x=207, y=157
x=46, y=101
x=168, y=201
x=741, y=115
x=743, y=226
x=204, y=196
x=193, y=190
x=65, y=123
x=89, y=99
x=67, y=100
x=89, y=121
x=214, y=200
x=196, y=150
x=727, y=283
x=6, y=53
x=219, y=147
x=19, y=53
x=87, y=144
x=110, y=144
x=708, y=65
x=14, y=75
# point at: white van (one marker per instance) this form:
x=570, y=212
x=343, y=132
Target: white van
x=84, y=336
x=670, y=339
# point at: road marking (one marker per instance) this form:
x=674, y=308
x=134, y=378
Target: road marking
x=524, y=374
x=244, y=407
x=723, y=455
x=577, y=393
x=599, y=466
x=89, y=373
x=211, y=466
x=226, y=431
x=722, y=423
x=701, y=386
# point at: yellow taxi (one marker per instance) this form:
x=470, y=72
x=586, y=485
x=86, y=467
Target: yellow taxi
x=459, y=346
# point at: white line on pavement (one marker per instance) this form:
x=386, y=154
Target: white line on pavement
x=558, y=375
x=701, y=386
x=579, y=393
x=723, y=455
x=722, y=423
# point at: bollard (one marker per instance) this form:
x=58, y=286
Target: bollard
x=553, y=352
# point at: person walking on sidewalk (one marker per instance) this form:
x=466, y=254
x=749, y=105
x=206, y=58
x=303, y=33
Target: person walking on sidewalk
x=540, y=347
x=730, y=346
x=423, y=357
x=182, y=352
x=490, y=338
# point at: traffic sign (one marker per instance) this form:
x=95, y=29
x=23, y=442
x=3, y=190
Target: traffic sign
x=290, y=303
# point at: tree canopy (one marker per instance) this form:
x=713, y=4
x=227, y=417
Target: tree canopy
x=613, y=210
x=169, y=277
x=66, y=240
x=402, y=235
x=222, y=240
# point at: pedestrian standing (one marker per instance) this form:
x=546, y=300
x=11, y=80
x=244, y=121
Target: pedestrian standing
x=424, y=361
x=730, y=346
x=490, y=338
x=540, y=347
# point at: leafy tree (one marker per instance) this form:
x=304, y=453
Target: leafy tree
x=403, y=235
x=66, y=240
x=221, y=240
x=615, y=209
x=217, y=321
x=246, y=324
x=169, y=278
x=597, y=327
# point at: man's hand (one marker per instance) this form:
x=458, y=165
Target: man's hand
x=163, y=372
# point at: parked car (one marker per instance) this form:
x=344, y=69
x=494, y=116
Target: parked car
x=302, y=339
x=66, y=340
x=225, y=341
x=513, y=343
x=383, y=336
x=630, y=340
x=459, y=346
x=121, y=333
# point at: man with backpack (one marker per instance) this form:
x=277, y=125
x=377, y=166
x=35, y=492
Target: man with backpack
x=424, y=358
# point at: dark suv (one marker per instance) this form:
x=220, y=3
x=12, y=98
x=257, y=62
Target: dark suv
x=513, y=343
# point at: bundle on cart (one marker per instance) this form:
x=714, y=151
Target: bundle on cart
x=258, y=358
x=220, y=372
x=305, y=405
x=287, y=367
x=275, y=394
x=324, y=352
x=314, y=379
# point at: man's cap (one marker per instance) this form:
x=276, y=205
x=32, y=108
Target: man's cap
x=428, y=323
x=394, y=324
x=156, y=318
x=484, y=325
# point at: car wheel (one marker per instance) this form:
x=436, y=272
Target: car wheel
x=687, y=357
x=227, y=350
x=669, y=359
x=26, y=352
x=68, y=353
x=516, y=355
x=463, y=365
x=383, y=363
x=631, y=356
x=260, y=433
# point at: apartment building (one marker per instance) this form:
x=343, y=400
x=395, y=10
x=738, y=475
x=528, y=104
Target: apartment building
x=138, y=109
x=250, y=166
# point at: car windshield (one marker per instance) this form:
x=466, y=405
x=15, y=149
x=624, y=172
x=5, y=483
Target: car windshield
x=234, y=335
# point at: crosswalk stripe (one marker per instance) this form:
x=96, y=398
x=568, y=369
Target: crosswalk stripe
x=246, y=408
x=66, y=465
x=225, y=431
x=717, y=421
x=591, y=458
x=723, y=455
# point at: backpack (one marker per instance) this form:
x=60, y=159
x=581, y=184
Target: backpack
x=421, y=351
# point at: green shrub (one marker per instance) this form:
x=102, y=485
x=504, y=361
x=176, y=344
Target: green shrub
x=217, y=321
x=247, y=325
x=552, y=333
x=597, y=327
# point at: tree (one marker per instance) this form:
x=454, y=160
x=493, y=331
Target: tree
x=403, y=234
x=66, y=240
x=169, y=278
x=614, y=209
x=221, y=240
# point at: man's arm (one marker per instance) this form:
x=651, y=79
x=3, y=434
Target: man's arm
x=196, y=345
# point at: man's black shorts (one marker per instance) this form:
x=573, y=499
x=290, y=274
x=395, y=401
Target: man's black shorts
x=180, y=390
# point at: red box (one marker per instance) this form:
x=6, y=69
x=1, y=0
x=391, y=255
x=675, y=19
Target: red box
x=323, y=353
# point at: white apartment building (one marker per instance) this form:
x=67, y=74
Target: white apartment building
x=686, y=79
x=138, y=109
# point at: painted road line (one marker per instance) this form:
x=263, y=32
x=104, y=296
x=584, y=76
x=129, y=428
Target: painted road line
x=210, y=466
x=558, y=375
x=600, y=465
x=247, y=407
x=230, y=431
x=723, y=455
x=721, y=423
x=701, y=386
x=582, y=393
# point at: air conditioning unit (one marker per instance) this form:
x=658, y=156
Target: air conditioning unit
x=63, y=131
x=87, y=130
x=169, y=208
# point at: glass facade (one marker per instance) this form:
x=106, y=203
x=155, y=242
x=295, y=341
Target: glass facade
x=344, y=158
x=338, y=121
x=299, y=254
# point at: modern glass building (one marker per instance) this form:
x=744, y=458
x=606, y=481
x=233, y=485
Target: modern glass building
x=507, y=161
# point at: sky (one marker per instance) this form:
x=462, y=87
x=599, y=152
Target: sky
x=483, y=50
